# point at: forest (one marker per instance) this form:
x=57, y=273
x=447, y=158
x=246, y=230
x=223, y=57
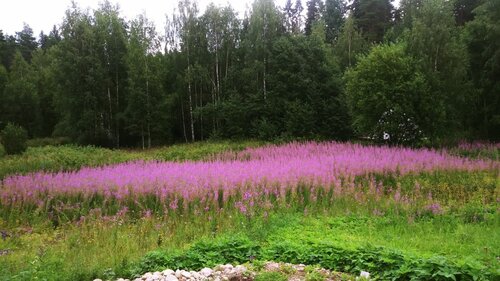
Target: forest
x=421, y=72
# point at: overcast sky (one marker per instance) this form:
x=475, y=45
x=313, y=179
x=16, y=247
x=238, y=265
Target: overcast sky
x=42, y=15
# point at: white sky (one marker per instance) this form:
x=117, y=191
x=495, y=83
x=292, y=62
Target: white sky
x=42, y=15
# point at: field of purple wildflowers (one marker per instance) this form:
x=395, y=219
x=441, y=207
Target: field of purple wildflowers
x=257, y=178
x=245, y=188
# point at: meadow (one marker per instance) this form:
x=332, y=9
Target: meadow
x=77, y=213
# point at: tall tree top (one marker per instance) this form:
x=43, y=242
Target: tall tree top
x=26, y=41
x=314, y=12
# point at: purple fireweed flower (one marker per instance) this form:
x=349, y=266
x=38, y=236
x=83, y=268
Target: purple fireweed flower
x=241, y=207
x=147, y=213
x=267, y=170
x=434, y=208
x=173, y=205
x=397, y=195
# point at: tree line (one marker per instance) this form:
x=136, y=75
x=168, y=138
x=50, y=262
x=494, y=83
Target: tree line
x=428, y=69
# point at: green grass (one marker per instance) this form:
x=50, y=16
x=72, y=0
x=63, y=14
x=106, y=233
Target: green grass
x=72, y=157
x=271, y=276
x=98, y=248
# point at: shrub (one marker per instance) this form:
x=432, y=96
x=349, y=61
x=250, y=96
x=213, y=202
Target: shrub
x=14, y=139
x=388, y=79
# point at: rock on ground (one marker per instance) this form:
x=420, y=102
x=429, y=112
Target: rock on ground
x=229, y=272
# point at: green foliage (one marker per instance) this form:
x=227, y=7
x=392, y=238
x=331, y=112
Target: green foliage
x=234, y=250
x=19, y=102
x=103, y=80
x=483, y=41
x=382, y=263
x=373, y=17
x=13, y=139
x=200, y=150
x=39, y=142
x=57, y=158
x=436, y=45
x=384, y=80
x=314, y=275
x=350, y=44
x=271, y=276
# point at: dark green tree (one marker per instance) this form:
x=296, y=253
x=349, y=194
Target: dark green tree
x=8, y=47
x=464, y=10
x=43, y=63
x=144, y=100
x=47, y=41
x=350, y=44
x=26, y=42
x=314, y=13
x=385, y=80
x=81, y=78
x=334, y=18
x=110, y=30
x=373, y=18
x=436, y=43
x=483, y=41
x=20, y=101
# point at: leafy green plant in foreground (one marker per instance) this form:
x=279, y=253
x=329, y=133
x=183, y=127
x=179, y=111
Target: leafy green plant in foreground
x=382, y=263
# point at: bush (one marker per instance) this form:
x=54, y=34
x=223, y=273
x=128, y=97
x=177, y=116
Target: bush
x=14, y=139
x=388, y=79
x=234, y=250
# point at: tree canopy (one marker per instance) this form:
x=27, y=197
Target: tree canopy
x=310, y=69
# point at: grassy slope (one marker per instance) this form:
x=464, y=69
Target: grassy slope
x=104, y=249
x=71, y=157
x=88, y=251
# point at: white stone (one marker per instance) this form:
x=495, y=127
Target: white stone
x=240, y=269
x=170, y=277
x=97, y=279
x=168, y=272
x=228, y=266
x=196, y=275
x=207, y=272
x=186, y=274
x=364, y=274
